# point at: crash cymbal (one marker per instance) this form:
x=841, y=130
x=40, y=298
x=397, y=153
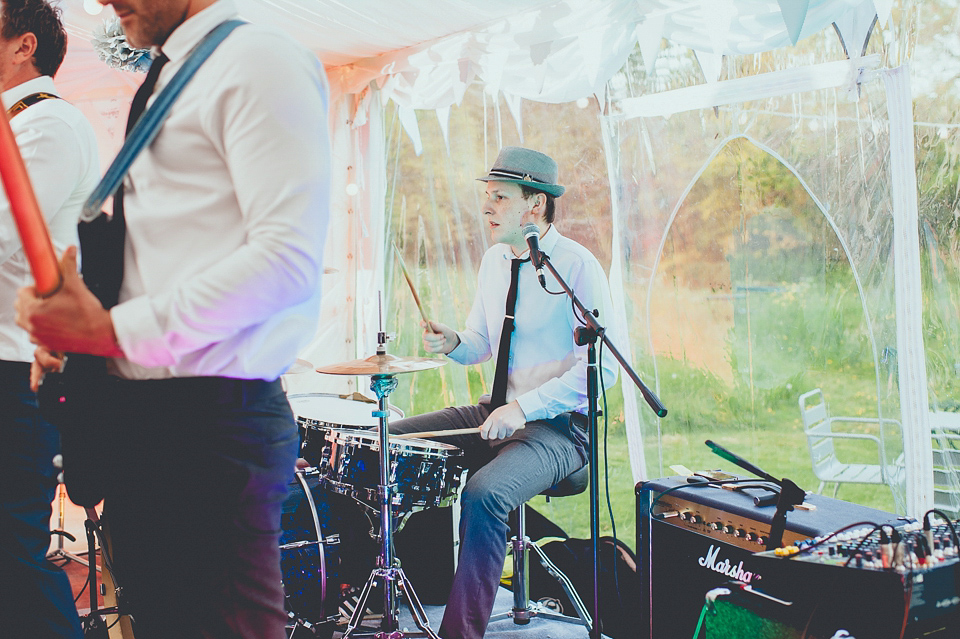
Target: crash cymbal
x=300, y=366
x=382, y=365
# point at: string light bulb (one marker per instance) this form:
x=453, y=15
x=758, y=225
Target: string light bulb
x=93, y=7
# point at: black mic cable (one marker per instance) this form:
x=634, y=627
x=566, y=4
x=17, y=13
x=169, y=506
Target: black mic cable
x=531, y=233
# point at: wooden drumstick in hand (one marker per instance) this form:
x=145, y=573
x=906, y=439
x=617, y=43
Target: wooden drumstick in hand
x=413, y=289
x=428, y=434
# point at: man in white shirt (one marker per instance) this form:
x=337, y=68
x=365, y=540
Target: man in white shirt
x=226, y=215
x=532, y=426
x=59, y=149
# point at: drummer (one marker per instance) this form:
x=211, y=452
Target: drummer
x=532, y=426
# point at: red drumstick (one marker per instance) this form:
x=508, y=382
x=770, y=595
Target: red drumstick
x=26, y=213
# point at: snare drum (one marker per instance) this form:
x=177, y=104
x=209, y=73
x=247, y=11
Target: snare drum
x=318, y=412
x=425, y=473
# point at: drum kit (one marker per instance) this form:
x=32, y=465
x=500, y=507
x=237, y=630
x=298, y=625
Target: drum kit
x=351, y=456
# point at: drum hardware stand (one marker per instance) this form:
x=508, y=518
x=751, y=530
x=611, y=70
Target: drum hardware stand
x=93, y=623
x=61, y=532
x=383, y=369
x=388, y=571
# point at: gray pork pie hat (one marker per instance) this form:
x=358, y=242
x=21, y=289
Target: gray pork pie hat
x=527, y=167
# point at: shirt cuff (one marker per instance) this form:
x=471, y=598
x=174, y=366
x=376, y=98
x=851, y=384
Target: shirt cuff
x=140, y=337
x=459, y=354
x=532, y=406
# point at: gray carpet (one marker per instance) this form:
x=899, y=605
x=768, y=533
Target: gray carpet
x=504, y=629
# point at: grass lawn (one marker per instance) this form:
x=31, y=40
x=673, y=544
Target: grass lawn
x=757, y=418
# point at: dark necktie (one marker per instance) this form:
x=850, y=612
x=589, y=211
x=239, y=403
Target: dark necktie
x=499, y=395
x=102, y=242
x=139, y=104
x=137, y=107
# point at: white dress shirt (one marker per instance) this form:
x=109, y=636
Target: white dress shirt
x=59, y=149
x=227, y=211
x=547, y=374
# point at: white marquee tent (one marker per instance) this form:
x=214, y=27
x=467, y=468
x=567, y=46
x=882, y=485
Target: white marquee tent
x=390, y=61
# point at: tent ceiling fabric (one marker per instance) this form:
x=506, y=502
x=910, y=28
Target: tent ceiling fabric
x=424, y=52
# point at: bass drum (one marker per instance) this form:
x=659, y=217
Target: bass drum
x=326, y=549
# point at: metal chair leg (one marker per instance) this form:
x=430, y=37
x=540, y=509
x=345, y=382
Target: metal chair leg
x=523, y=609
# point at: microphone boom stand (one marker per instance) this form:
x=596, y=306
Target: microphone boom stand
x=588, y=335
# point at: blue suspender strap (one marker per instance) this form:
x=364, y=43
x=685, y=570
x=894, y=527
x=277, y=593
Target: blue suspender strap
x=149, y=123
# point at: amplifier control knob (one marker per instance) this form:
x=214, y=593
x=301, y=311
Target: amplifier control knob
x=750, y=536
x=762, y=540
x=717, y=525
x=728, y=529
x=684, y=516
x=696, y=519
x=740, y=532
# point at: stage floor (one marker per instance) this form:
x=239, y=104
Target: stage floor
x=503, y=629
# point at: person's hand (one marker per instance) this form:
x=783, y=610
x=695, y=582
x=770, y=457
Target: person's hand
x=503, y=422
x=44, y=362
x=71, y=320
x=439, y=338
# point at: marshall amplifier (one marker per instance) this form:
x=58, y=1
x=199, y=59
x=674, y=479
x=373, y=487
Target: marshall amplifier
x=694, y=537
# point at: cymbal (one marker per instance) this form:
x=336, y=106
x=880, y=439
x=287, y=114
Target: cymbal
x=300, y=366
x=382, y=365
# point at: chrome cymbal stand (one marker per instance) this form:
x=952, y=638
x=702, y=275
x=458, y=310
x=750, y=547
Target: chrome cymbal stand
x=388, y=572
x=61, y=531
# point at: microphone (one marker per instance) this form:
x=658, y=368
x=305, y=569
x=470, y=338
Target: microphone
x=532, y=235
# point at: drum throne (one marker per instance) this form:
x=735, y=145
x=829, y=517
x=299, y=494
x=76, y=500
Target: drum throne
x=523, y=609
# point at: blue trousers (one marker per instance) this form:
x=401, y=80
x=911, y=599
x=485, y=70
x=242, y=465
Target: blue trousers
x=503, y=475
x=200, y=467
x=36, y=599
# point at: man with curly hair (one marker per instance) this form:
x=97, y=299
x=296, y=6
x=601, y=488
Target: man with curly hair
x=59, y=149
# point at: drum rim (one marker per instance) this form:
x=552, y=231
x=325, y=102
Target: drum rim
x=394, y=410
x=413, y=444
x=405, y=500
x=322, y=546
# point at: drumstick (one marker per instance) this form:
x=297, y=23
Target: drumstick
x=26, y=213
x=427, y=434
x=413, y=289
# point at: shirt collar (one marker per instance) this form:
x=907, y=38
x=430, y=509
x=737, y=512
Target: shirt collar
x=42, y=84
x=186, y=36
x=549, y=239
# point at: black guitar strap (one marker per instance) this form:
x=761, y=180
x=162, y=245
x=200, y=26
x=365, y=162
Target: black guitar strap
x=30, y=100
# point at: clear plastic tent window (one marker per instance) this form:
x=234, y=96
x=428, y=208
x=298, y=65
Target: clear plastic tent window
x=755, y=246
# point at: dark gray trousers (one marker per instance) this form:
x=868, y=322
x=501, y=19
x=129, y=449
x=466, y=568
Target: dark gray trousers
x=200, y=468
x=503, y=475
